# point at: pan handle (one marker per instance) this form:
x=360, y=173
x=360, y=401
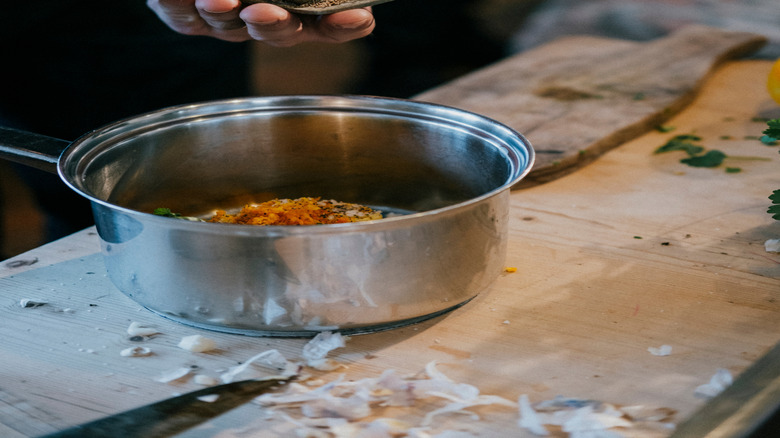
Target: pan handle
x=34, y=150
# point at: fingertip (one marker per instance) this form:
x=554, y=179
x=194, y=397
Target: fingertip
x=217, y=6
x=352, y=19
x=264, y=13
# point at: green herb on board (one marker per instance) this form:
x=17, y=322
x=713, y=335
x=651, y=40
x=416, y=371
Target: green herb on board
x=769, y=141
x=773, y=131
x=683, y=143
x=774, y=210
x=698, y=156
x=713, y=158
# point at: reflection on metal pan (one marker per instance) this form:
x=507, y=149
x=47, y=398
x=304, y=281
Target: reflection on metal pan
x=447, y=171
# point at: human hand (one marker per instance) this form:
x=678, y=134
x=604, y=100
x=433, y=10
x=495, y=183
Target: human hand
x=229, y=20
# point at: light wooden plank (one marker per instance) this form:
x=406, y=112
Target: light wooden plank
x=576, y=319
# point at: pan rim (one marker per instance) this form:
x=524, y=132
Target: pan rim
x=519, y=153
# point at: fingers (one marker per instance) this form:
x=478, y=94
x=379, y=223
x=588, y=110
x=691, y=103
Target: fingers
x=220, y=14
x=280, y=28
x=180, y=16
x=347, y=25
x=228, y=20
x=272, y=24
x=214, y=18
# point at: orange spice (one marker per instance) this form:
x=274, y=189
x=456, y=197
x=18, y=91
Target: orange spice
x=301, y=211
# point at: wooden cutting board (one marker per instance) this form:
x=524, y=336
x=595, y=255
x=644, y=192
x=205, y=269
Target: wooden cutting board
x=574, y=108
x=634, y=251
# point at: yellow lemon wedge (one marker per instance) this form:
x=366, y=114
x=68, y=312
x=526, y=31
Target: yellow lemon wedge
x=773, y=83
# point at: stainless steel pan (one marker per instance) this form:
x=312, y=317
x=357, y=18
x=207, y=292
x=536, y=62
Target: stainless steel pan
x=448, y=172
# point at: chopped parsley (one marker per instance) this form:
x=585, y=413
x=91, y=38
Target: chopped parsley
x=166, y=212
x=697, y=157
x=713, y=158
x=769, y=141
x=773, y=131
x=774, y=210
x=683, y=143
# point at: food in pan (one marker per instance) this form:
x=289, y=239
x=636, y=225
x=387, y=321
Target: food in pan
x=300, y=211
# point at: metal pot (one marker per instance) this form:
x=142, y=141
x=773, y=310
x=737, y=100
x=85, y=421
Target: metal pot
x=446, y=170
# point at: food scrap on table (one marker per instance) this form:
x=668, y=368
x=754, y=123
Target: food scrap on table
x=197, y=344
x=136, y=352
x=343, y=407
x=316, y=350
x=175, y=375
x=663, y=350
x=589, y=418
x=268, y=364
x=138, y=329
x=718, y=382
x=204, y=380
x=29, y=303
x=352, y=408
x=211, y=398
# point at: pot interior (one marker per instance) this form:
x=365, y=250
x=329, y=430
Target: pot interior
x=387, y=153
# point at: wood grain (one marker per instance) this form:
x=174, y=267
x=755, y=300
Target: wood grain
x=633, y=251
x=578, y=97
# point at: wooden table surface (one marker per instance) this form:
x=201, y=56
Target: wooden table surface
x=635, y=250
